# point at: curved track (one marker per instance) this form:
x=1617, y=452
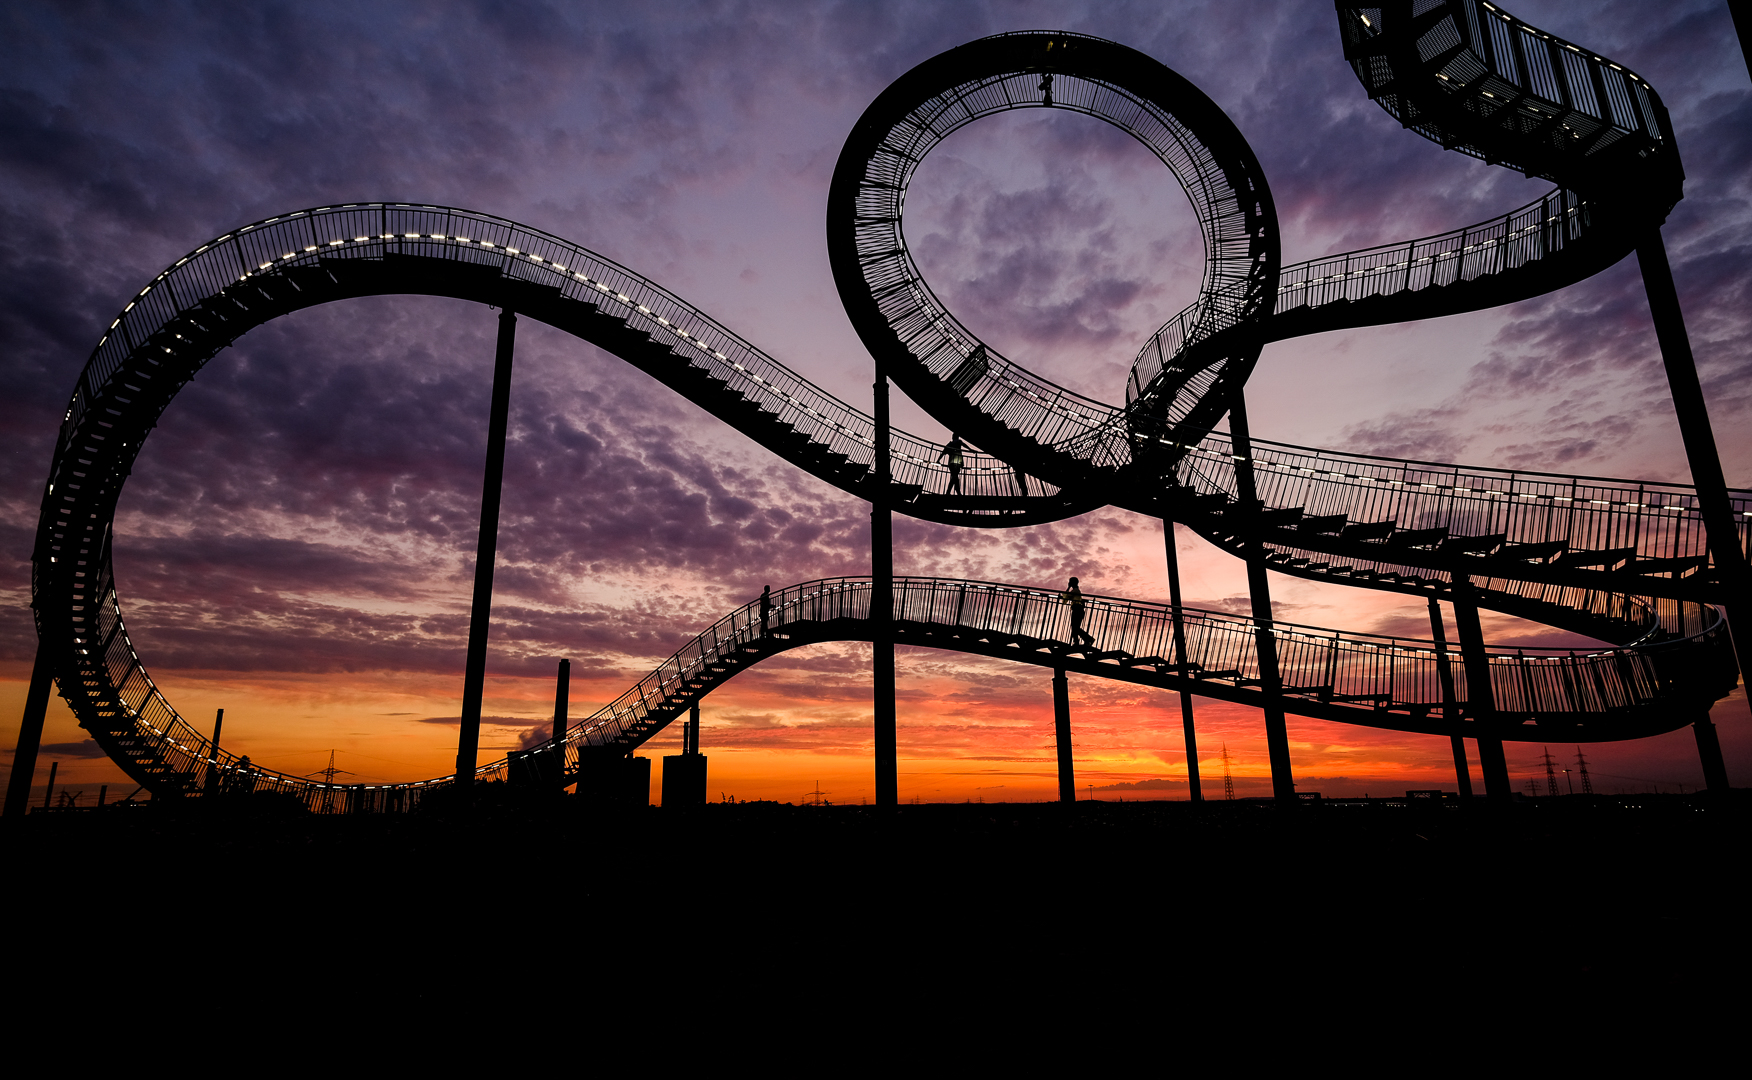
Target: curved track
x=1622, y=561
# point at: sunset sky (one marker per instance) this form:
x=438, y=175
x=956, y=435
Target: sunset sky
x=296, y=542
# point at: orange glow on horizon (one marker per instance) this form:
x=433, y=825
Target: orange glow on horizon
x=954, y=747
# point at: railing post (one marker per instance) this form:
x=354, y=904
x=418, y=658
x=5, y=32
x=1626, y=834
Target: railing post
x=1706, y=466
x=475, y=672
x=1178, y=621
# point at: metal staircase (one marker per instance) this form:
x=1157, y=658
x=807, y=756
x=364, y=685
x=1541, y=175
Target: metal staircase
x=1621, y=561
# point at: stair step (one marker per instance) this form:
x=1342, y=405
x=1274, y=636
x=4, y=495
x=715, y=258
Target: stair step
x=1418, y=537
x=1330, y=523
x=1608, y=557
x=1667, y=565
x=1472, y=543
x=1145, y=661
x=1372, y=530
x=1541, y=551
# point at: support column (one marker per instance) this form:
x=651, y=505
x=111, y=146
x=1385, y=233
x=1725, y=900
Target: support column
x=1709, y=751
x=1179, y=624
x=1742, y=13
x=1706, y=470
x=1061, y=727
x=1479, y=695
x=1450, y=702
x=562, y=700
x=486, y=548
x=30, y=735
x=562, y=714
x=882, y=607
x=1277, y=734
x=213, y=765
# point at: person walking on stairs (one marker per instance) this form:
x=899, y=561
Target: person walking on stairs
x=953, y=451
x=1074, y=597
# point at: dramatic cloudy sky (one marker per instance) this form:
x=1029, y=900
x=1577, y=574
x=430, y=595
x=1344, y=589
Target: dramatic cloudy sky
x=296, y=543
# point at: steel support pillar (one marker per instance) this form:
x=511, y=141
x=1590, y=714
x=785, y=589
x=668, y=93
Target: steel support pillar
x=1709, y=751
x=1061, y=727
x=1178, y=621
x=486, y=548
x=882, y=607
x=30, y=735
x=1706, y=471
x=213, y=765
x=1741, y=11
x=562, y=713
x=1277, y=734
x=1450, y=700
x=1479, y=695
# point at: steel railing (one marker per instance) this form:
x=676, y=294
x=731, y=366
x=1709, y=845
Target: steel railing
x=1371, y=673
x=1547, y=226
x=203, y=281
x=1648, y=521
x=1032, y=407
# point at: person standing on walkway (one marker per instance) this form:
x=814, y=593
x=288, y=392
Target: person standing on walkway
x=1074, y=597
x=953, y=451
x=766, y=608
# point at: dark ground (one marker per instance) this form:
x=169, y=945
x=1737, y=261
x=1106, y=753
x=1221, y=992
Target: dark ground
x=1557, y=902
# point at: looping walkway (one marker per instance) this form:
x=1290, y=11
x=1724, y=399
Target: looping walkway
x=1624, y=561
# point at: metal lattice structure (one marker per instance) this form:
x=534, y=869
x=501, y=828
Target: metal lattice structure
x=1622, y=561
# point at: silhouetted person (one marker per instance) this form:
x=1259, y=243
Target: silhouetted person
x=1021, y=480
x=1046, y=90
x=953, y=452
x=1074, y=597
x=766, y=608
